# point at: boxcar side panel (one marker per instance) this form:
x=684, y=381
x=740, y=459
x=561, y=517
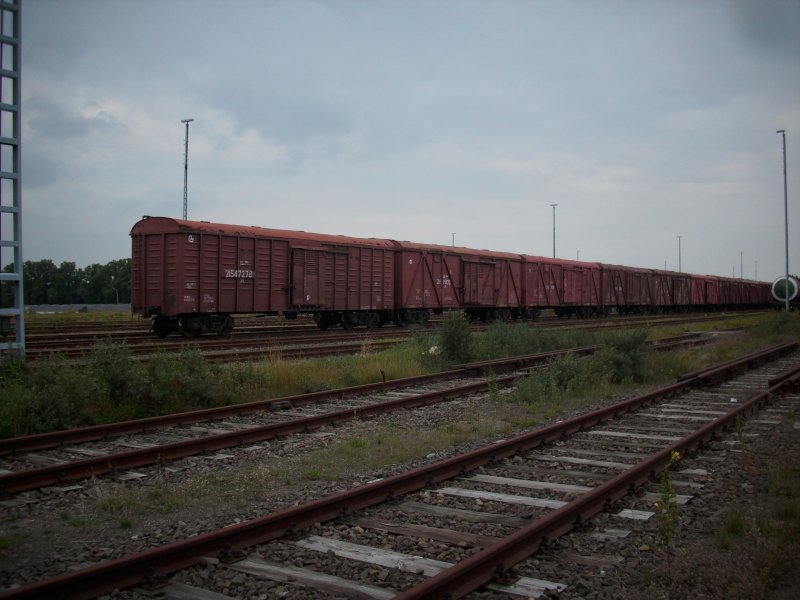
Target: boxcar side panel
x=479, y=286
x=542, y=289
x=138, y=299
x=277, y=274
x=306, y=275
x=387, y=278
x=698, y=291
x=372, y=286
x=209, y=279
x=409, y=270
x=171, y=283
x=188, y=272
x=155, y=278
x=681, y=290
x=227, y=265
x=428, y=279
x=244, y=275
x=511, y=291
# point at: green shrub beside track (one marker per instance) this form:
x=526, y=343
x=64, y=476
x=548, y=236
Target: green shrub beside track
x=57, y=394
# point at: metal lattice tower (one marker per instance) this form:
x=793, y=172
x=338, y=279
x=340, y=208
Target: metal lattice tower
x=12, y=303
x=186, y=170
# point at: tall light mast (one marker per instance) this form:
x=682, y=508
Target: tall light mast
x=186, y=169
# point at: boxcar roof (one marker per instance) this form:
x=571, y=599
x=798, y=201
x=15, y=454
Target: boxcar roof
x=561, y=261
x=626, y=268
x=170, y=225
x=405, y=245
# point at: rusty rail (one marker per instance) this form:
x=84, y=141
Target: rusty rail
x=451, y=583
x=54, y=439
x=479, y=568
x=12, y=483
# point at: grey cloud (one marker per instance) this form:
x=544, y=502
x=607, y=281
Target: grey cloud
x=39, y=169
x=771, y=26
x=51, y=122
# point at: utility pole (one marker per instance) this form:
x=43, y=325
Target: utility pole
x=679, y=254
x=186, y=170
x=554, y=229
x=785, y=216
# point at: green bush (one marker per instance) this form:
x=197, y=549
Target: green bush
x=623, y=359
x=124, y=379
x=15, y=408
x=455, y=338
x=624, y=356
x=54, y=393
x=183, y=382
x=64, y=395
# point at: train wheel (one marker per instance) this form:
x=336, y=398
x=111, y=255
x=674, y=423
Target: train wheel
x=189, y=327
x=161, y=327
x=373, y=321
x=325, y=320
x=226, y=328
x=349, y=320
x=403, y=318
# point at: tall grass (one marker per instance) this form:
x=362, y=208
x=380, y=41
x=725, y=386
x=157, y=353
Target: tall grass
x=289, y=377
x=55, y=394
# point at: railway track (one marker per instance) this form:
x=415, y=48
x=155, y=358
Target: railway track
x=461, y=524
x=35, y=461
x=300, y=340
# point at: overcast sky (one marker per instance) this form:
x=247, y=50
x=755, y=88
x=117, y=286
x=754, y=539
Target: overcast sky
x=412, y=120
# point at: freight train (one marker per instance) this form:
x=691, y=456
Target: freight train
x=194, y=277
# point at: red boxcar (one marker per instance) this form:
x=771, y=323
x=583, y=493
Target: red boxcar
x=569, y=287
x=486, y=285
x=730, y=292
x=756, y=293
x=704, y=292
x=628, y=289
x=191, y=276
x=672, y=291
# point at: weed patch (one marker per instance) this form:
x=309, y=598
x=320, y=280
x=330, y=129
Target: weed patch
x=456, y=338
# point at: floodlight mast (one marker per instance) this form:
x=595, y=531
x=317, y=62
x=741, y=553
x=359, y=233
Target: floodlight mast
x=186, y=169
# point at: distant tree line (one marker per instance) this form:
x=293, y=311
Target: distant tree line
x=46, y=283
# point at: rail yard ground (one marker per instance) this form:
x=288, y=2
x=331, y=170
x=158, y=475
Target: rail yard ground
x=112, y=386
x=744, y=544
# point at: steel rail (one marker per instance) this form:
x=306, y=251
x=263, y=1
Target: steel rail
x=20, y=481
x=724, y=365
x=481, y=567
x=164, y=560
x=42, y=441
x=792, y=373
x=145, y=345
